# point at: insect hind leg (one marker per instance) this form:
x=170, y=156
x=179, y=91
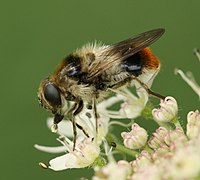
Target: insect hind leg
x=149, y=91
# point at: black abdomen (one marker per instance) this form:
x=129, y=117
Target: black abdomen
x=133, y=64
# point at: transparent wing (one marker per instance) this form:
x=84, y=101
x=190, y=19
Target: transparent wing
x=114, y=54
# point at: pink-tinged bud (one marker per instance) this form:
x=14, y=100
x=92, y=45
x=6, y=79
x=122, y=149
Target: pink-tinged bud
x=163, y=151
x=158, y=138
x=113, y=170
x=167, y=111
x=175, y=138
x=125, y=165
x=142, y=160
x=193, y=124
x=136, y=138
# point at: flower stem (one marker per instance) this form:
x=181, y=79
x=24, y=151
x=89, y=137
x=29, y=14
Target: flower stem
x=119, y=147
x=177, y=123
x=125, y=150
x=147, y=148
x=166, y=125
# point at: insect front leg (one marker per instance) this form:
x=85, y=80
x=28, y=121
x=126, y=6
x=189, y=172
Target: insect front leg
x=76, y=112
x=79, y=107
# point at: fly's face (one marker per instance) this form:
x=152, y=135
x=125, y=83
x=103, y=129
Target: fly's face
x=51, y=98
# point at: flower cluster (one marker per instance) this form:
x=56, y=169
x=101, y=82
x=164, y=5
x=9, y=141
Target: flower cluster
x=170, y=152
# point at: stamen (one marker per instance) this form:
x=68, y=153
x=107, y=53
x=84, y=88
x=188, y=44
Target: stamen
x=197, y=53
x=66, y=142
x=54, y=128
x=121, y=124
x=43, y=165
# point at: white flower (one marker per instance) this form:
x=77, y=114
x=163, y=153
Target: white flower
x=131, y=106
x=176, y=138
x=142, y=160
x=188, y=77
x=136, y=138
x=190, y=80
x=158, y=138
x=185, y=162
x=167, y=111
x=164, y=162
x=113, y=171
x=86, y=150
x=84, y=155
x=150, y=172
x=193, y=124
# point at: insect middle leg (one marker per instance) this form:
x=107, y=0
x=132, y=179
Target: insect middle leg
x=120, y=83
x=95, y=114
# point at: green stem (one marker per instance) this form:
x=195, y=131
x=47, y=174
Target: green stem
x=165, y=125
x=147, y=148
x=177, y=123
x=125, y=150
x=119, y=147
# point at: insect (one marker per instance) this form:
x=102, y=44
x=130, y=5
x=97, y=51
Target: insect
x=88, y=74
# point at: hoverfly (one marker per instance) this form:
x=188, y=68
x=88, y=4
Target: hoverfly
x=88, y=74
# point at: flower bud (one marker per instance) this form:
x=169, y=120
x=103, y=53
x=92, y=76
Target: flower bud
x=113, y=170
x=193, y=124
x=136, y=138
x=163, y=151
x=158, y=138
x=167, y=111
x=142, y=160
x=175, y=138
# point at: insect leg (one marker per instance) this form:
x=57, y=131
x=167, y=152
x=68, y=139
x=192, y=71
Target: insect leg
x=71, y=109
x=95, y=114
x=149, y=91
x=82, y=129
x=77, y=107
x=74, y=131
x=121, y=83
x=78, y=110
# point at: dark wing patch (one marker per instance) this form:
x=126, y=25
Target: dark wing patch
x=116, y=53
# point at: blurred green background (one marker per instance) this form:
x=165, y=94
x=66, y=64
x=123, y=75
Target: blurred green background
x=36, y=35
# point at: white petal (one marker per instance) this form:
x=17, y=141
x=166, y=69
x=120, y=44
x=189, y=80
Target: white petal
x=64, y=127
x=58, y=149
x=63, y=162
x=85, y=156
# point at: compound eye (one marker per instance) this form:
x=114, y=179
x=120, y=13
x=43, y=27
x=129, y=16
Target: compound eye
x=52, y=94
